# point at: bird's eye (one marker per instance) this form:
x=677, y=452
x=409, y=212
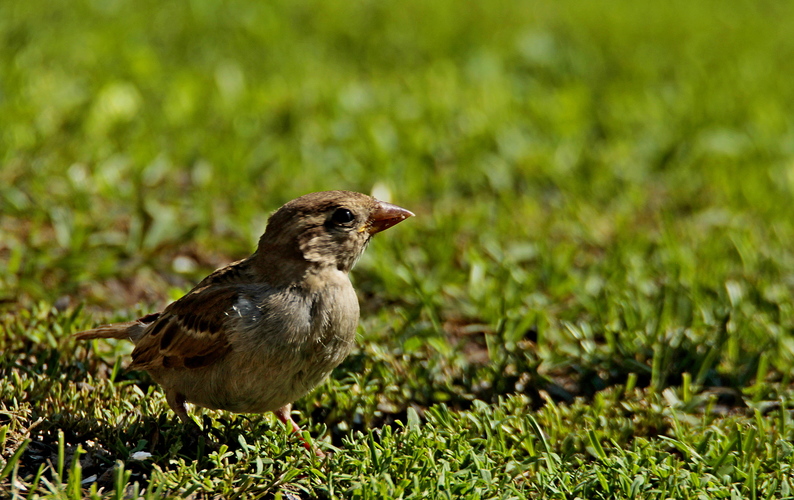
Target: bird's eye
x=342, y=216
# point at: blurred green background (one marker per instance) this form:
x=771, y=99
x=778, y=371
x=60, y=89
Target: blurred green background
x=129, y=127
x=603, y=189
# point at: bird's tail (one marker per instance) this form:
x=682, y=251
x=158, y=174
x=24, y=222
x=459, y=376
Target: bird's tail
x=114, y=331
x=131, y=330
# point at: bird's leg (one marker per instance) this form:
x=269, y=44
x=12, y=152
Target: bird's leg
x=176, y=401
x=196, y=437
x=283, y=414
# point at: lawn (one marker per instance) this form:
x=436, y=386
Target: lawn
x=593, y=301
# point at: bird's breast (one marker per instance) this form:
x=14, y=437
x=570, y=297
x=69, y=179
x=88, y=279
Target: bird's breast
x=288, y=341
x=334, y=316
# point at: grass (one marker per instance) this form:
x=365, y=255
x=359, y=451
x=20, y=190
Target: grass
x=594, y=301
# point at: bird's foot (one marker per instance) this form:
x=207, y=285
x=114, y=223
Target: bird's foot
x=284, y=415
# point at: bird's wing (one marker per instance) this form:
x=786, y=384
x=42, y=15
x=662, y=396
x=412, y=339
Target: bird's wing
x=190, y=333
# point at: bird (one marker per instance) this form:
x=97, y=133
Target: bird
x=260, y=333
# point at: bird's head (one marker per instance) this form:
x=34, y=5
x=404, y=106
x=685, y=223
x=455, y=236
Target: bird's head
x=328, y=228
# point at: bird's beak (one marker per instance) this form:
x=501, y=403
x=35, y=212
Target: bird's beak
x=385, y=216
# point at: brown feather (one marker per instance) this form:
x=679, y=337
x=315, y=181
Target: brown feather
x=114, y=331
x=190, y=333
x=128, y=330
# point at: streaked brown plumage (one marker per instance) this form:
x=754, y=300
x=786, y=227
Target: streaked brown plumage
x=260, y=333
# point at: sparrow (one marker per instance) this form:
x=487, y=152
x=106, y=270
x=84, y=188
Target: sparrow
x=260, y=333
